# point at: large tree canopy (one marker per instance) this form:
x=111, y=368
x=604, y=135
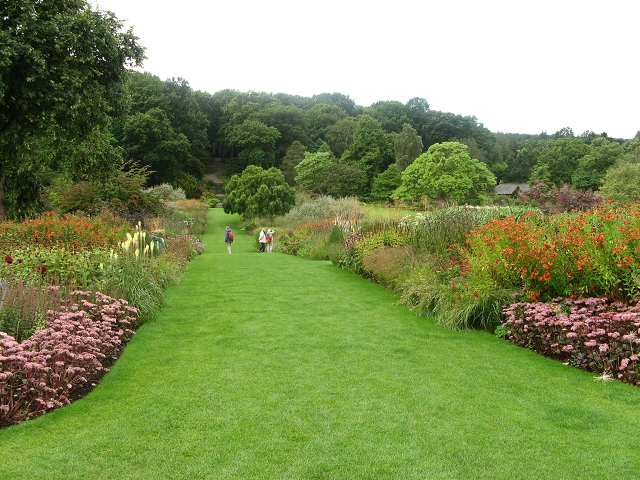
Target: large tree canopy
x=622, y=183
x=446, y=172
x=258, y=193
x=62, y=74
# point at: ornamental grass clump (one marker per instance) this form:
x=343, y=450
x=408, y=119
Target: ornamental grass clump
x=595, y=334
x=77, y=345
x=440, y=229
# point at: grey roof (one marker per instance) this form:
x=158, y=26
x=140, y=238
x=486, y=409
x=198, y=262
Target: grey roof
x=510, y=188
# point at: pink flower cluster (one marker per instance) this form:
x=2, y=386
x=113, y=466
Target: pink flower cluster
x=594, y=334
x=40, y=373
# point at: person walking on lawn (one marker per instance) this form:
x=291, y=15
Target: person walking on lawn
x=228, y=239
x=270, y=234
x=263, y=240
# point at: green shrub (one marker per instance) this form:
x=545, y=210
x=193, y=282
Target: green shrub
x=167, y=193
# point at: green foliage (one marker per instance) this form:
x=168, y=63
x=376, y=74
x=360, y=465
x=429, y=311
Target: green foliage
x=255, y=142
x=558, y=160
x=295, y=155
x=337, y=236
x=446, y=171
x=392, y=115
x=371, y=149
x=188, y=184
x=592, y=167
x=150, y=140
x=124, y=193
x=386, y=183
x=341, y=180
x=62, y=75
x=258, y=192
x=339, y=136
x=621, y=183
x=308, y=171
x=408, y=146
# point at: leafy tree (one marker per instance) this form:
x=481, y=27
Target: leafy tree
x=339, y=136
x=178, y=102
x=441, y=127
x=341, y=180
x=447, y=172
x=417, y=109
x=308, y=171
x=632, y=149
x=94, y=157
x=321, y=116
x=258, y=192
x=408, y=146
x=558, y=160
x=255, y=143
x=189, y=185
x=621, y=183
x=150, y=140
x=386, y=183
x=290, y=121
x=294, y=155
x=212, y=106
x=63, y=71
x=593, y=166
x=392, y=115
x=520, y=168
x=343, y=101
x=371, y=149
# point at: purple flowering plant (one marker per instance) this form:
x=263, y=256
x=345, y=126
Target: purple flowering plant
x=595, y=334
x=79, y=342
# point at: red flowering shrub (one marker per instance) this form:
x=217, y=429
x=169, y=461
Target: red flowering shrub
x=40, y=373
x=595, y=253
x=594, y=334
x=71, y=232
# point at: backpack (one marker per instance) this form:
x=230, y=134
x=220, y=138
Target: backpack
x=268, y=237
x=230, y=236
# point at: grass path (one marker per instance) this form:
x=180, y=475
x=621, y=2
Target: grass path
x=271, y=366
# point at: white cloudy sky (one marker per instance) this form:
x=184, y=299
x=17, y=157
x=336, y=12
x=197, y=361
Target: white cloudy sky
x=518, y=66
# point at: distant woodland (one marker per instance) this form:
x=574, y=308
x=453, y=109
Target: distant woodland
x=75, y=112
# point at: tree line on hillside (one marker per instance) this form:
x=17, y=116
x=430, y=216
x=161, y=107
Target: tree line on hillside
x=71, y=111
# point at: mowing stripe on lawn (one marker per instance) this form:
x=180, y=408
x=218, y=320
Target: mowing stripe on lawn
x=272, y=366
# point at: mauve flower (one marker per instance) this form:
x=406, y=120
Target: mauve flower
x=603, y=347
x=567, y=348
x=572, y=335
x=624, y=363
x=590, y=343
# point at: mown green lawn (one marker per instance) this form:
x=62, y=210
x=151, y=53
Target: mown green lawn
x=271, y=366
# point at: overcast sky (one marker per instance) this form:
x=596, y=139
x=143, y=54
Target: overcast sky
x=517, y=66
